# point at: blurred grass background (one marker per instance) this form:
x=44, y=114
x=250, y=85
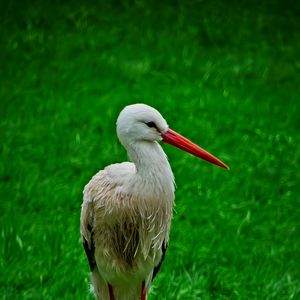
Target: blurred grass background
x=223, y=73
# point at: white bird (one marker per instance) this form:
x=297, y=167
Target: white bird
x=127, y=208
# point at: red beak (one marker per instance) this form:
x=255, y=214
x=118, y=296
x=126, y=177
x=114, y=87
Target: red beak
x=173, y=138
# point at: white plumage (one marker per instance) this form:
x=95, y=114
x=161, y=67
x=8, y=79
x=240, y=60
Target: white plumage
x=127, y=208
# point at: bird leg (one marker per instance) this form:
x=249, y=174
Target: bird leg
x=144, y=293
x=111, y=292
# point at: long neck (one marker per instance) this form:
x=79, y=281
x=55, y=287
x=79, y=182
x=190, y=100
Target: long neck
x=153, y=183
x=152, y=164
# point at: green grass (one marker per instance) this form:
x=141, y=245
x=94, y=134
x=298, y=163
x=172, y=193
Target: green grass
x=225, y=74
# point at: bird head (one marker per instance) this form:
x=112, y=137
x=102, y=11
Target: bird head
x=142, y=123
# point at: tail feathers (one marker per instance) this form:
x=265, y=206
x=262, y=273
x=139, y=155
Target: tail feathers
x=103, y=290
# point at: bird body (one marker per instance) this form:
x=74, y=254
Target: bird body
x=127, y=210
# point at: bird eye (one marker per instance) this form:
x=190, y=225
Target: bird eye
x=151, y=124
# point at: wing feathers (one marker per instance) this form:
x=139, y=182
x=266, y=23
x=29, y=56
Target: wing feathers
x=89, y=251
x=157, y=268
x=87, y=231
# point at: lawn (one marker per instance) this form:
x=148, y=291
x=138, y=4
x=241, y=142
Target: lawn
x=226, y=74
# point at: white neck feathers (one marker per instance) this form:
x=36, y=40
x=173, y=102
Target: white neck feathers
x=152, y=165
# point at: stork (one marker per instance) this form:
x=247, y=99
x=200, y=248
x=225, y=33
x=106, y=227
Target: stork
x=127, y=207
